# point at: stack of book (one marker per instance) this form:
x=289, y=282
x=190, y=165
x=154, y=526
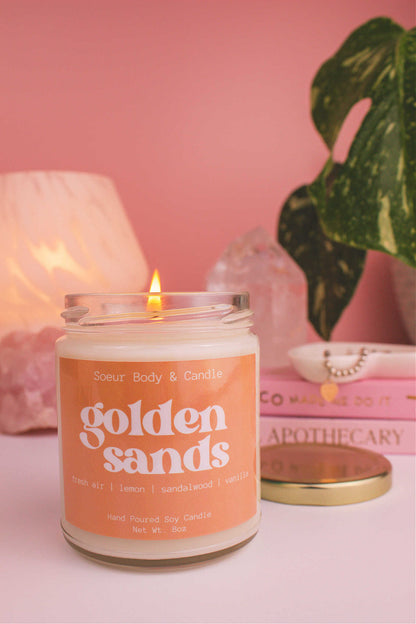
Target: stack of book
x=377, y=414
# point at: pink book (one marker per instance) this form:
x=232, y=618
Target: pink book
x=396, y=437
x=290, y=395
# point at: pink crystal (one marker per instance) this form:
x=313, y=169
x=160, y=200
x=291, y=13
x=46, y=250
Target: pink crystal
x=27, y=380
x=256, y=263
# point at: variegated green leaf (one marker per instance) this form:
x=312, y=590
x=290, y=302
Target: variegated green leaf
x=332, y=269
x=372, y=202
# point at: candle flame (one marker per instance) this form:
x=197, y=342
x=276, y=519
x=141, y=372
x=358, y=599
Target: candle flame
x=155, y=302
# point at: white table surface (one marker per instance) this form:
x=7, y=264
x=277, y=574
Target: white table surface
x=353, y=563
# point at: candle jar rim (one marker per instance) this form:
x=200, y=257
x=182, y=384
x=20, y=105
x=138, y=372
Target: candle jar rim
x=160, y=310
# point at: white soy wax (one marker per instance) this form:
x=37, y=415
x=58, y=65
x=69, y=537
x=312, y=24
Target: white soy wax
x=158, y=426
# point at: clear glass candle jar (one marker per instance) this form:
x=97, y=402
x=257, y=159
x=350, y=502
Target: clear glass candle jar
x=158, y=425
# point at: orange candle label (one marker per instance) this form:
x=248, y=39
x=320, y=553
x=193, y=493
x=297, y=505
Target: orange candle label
x=159, y=450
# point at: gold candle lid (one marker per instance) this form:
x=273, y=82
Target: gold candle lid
x=322, y=474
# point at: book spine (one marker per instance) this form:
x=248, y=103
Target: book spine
x=397, y=437
x=389, y=399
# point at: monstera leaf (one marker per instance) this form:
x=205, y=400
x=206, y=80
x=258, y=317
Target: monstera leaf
x=370, y=202
x=332, y=269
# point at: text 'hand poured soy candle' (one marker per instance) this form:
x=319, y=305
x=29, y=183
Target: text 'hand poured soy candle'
x=158, y=422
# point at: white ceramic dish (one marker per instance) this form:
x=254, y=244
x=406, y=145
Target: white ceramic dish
x=384, y=360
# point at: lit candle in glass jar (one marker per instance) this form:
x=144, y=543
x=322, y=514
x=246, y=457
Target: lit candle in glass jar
x=158, y=425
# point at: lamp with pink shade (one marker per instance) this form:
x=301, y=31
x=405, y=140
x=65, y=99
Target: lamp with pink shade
x=61, y=232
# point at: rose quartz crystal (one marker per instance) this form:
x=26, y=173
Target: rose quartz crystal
x=27, y=380
x=278, y=292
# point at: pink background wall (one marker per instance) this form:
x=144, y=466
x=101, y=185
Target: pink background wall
x=198, y=109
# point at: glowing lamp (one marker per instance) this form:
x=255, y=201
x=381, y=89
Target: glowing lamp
x=60, y=232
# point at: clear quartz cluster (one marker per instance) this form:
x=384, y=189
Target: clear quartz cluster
x=27, y=380
x=256, y=263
